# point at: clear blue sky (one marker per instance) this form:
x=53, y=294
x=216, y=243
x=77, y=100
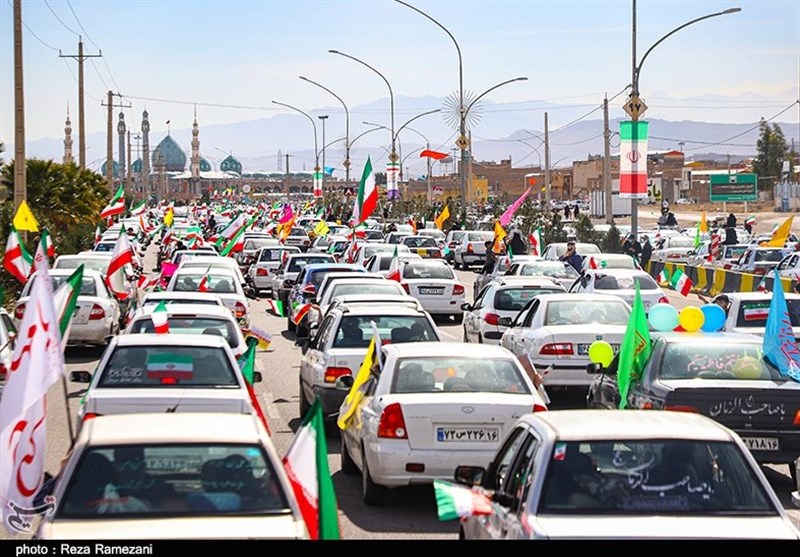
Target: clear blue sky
x=247, y=53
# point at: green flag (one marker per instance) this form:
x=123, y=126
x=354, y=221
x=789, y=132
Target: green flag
x=248, y=362
x=634, y=350
x=65, y=299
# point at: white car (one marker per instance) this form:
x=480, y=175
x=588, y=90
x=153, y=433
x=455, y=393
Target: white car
x=749, y=310
x=284, y=277
x=267, y=260
x=789, y=267
x=622, y=283
x=556, y=330
x=435, y=285
x=322, y=244
x=210, y=263
x=728, y=256
x=471, y=249
x=192, y=319
x=434, y=406
x=610, y=261
x=173, y=476
x=97, y=313
x=760, y=260
x=153, y=298
x=347, y=284
x=368, y=249
x=165, y=373
x=673, y=249
x=504, y=297
x=381, y=262
x=338, y=347
x=502, y=265
x=562, y=273
x=222, y=282
x=553, y=251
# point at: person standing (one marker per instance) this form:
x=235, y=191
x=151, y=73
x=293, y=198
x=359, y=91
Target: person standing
x=632, y=247
x=517, y=244
x=647, y=252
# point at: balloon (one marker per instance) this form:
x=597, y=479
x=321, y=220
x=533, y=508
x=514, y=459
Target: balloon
x=691, y=318
x=714, y=318
x=600, y=352
x=663, y=317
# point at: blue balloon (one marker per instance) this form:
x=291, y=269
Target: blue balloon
x=714, y=318
x=663, y=317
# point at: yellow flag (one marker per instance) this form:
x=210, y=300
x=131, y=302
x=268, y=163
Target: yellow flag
x=781, y=234
x=169, y=217
x=322, y=228
x=442, y=217
x=356, y=393
x=499, y=234
x=287, y=227
x=24, y=219
x=703, y=227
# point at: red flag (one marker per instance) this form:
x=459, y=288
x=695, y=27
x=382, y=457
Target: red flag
x=433, y=155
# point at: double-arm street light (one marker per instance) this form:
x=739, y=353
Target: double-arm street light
x=314, y=124
x=633, y=105
x=346, y=162
x=396, y=135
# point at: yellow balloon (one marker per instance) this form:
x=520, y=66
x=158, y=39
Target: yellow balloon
x=601, y=352
x=691, y=318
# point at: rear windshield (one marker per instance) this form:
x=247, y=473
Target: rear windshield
x=389, y=287
x=356, y=331
x=715, y=360
x=177, y=301
x=754, y=313
x=88, y=264
x=611, y=282
x=298, y=232
x=549, y=269
x=771, y=255
x=317, y=276
x=297, y=263
x=192, y=325
x=168, y=366
x=587, y=312
x=423, y=375
x=214, y=281
x=426, y=242
x=417, y=271
x=734, y=251
x=274, y=255
x=480, y=236
x=514, y=299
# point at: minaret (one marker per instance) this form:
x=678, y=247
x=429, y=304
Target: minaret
x=146, y=152
x=121, y=132
x=68, y=159
x=194, y=164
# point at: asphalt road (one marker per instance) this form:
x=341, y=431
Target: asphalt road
x=409, y=514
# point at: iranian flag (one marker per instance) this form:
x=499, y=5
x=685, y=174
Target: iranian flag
x=367, y=198
x=139, y=209
x=97, y=235
x=301, y=312
x=663, y=276
x=203, y=286
x=174, y=366
x=394, y=267
x=681, y=282
x=633, y=159
x=65, y=299
x=50, y=247
x=121, y=255
x=318, y=183
x=535, y=239
x=306, y=464
x=116, y=206
x=160, y=318
x=457, y=501
x=16, y=259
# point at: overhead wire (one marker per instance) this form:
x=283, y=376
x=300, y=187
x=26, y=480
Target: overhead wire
x=748, y=130
x=105, y=63
x=35, y=36
x=61, y=21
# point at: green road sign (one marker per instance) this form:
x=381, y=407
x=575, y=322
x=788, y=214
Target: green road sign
x=733, y=187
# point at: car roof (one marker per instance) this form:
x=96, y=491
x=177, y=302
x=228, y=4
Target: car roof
x=185, y=309
x=180, y=295
x=673, y=337
x=568, y=425
x=580, y=297
x=759, y=295
x=364, y=299
x=155, y=339
x=330, y=277
x=618, y=271
x=516, y=281
x=338, y=266
x=170, y=428
x=450, y=349
x=380, y=309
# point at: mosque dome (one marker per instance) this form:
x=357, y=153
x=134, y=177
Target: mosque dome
x=230, y=164
x=204, y=166
x=136, y=166
x=171, y=155
x=115, y=170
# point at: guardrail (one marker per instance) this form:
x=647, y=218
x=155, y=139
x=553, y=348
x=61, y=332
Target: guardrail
x=714, y=280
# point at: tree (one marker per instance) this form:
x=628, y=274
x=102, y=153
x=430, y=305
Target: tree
x=771, y=151
x=585, y=232
x=612, y=242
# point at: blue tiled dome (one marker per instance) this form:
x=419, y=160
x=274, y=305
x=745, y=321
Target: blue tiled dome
x=204, y=166
x=137, y=166
x=171, y=154
x=115, y=170
x=230, y=164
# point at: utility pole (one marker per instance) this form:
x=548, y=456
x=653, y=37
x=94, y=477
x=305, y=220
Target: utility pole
x=607, y=165
x=548, y=193
x=80, y=57
x=128, y=166
x=286, y=186
x=110, y=139
x=20, y=177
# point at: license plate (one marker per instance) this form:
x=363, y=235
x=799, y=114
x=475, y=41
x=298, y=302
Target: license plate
x=761, y=443
x=583, y=349
x=468, y=434
x=434, y=291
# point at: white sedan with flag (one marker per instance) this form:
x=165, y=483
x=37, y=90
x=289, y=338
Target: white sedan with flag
x=622, y=283
x=435, y=285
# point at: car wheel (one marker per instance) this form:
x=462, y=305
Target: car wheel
x=458, y=318
x=304, y=405
x=348, y=465
x=373, y=494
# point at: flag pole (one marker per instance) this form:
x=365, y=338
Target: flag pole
x=69, y=417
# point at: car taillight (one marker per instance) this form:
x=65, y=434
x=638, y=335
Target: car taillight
x=261, y=272
x=796, y=421
x=333, y=373
x=674, y=256
x=309, y=290
x=663, y=300
x=239, y=310
x=469, y=248
x=556, y=349
x=458, y=290
x=406, y=288
x=491, y=318
x=19, y=311
x=759, y=271
x=3, y=371
x=392, y=425
x=97, y=312
x=306, y=243
x=89, y=415
x=539, y=408
x=682, y=408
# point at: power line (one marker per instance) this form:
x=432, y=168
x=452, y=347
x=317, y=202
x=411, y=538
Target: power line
x=35, y=36
x=103, y=81
x=76, y=81
x=61, y=21
x=105, y=63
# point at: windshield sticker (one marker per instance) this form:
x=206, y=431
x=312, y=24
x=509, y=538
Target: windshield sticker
x=560, y=451
x=169, y=365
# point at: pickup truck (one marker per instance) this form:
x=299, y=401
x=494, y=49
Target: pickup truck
x=748, y=312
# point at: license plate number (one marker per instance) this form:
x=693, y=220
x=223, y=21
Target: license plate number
x=433, y=291
x=583, y=349
x=468, y=434
x=761, y=443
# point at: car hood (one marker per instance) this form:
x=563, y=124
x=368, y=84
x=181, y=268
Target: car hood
x=662, y=527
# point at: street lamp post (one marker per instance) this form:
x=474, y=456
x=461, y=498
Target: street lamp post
x=393, y=157
x=310, y=119
x=346, y=162
x=323, y=118
x=634, y=105
x=428, y=172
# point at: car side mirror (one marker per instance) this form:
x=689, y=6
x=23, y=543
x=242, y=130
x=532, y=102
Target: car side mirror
x=469, y=475
x=344, y=382
x=595, y=369
x=257, y=377
x=466, y=306
x=80, y=377
x=504, y=322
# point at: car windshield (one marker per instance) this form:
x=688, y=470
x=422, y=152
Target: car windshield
x=647, y=477
x=480, y=236
x=420, y=242
x=370, y=250
x=620, y=282
x=587, y=312
x=378, y=286
x=550, y=269
x=298, y=232
x=355, y=331
x=715, y=360
x=89, y=264
x=734, y=252
x=514, y=299
x=423, y=271
x=771, y=255
x=190, y=324
x=455, y=237
x=215, y=281
x=255, y=243
x=167, y=366
x=615, y=261
x=422, y=375
x=580, y=249
x=679, y=242
x=198, y=479
x=296, y=264
x=88, y=284
x=274, y=254
x=753, y=313
x=104, y=246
